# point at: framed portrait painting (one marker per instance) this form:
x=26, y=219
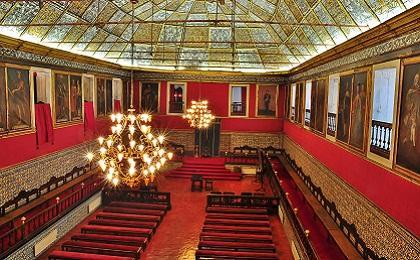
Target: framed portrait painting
x=76, y=97
x=150, y=97
x=19, y=99
x=267, y=100
x=344, y=106
x=358, y=110
x=320, y=105
x=61, y=97
x=3, y=112
x=100, y=97
x=408, y=146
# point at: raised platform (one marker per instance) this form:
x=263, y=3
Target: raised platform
x=209, y=168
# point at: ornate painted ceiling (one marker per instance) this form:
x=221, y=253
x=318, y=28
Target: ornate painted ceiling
x=242, y=35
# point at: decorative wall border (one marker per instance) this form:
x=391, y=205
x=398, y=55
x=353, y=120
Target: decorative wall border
x=204, y=77
x=394, y=44
x=6, y=53
x=382, y=234
x=34, y=173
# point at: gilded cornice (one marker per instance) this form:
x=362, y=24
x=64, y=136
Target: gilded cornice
x=208, y=77
x=367, y=54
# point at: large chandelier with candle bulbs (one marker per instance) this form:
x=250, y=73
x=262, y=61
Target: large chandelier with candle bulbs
x=198, y=115
x=132, y=153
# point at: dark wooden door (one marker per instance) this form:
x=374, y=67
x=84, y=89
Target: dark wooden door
x=207, y=141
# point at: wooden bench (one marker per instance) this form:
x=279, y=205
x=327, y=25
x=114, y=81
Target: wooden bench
x=102, y=248
x=237, y=229
x=135, y=211
x=122, y=231
x=237, y=222
x=66, y=255
x=232, y=237
x=123, y=223
x=236, y=210
x=139, y=205
x=211, y=254
x=236, y=216
x=331, y=227
x=132, y=217
x=111, y=239
x=237, y=246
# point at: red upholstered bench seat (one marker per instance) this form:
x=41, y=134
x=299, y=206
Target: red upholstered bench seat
x=111, y=239
x=212, y=254
x=122, y=231
x=65, y=255
x=237, y=246
x=236, y=216
x=123, y=223
x=252, y=238
x=133, y=217
x=152, y=212
x=139, y=205
x=102, y=248
x=236, y=210
x=238, y=222
x=238, y=229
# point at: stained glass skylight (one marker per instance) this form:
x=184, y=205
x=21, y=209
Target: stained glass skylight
x=263, y=35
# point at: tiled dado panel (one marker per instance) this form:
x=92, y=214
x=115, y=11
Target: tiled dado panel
x=382, y=234
x=34, y=173
x=228, y=140
x=63, y=226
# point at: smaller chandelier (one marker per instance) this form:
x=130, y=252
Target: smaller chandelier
x=132, y=153
x=198, y=115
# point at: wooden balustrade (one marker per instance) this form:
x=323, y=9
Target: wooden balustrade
x=332, y=123
x=238, y=109
x=349, y=229
x=380, y=141
x=130, y=195
x=29, y=228
x=227, y=200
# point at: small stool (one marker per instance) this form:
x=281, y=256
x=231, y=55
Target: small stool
x=209, y=185
x=196, y=179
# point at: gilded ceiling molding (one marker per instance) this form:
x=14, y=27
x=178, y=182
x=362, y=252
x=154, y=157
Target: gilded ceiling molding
x=7, y=54
x=156, y=76
x=394, y=44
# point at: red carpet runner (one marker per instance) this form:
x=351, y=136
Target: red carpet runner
x=208, y=168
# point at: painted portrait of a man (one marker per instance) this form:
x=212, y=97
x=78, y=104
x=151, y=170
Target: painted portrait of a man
x=19, y=105
x=267, y=100
x=149, y=97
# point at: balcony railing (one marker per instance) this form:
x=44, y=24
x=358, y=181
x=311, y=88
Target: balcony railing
x=238, y=109
x=293, y=113
x=176, y=107
x=380, y=141
x=332, y=123
x=307, y=117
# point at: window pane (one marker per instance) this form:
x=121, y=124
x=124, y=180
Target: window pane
x=176, y=98
x=238, y=100
x=332, y=104
x=308, y=93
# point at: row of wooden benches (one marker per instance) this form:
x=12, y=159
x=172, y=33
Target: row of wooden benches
x=121, y=230
x=236, y=233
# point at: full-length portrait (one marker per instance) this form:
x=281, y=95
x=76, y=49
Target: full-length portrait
x=19, y=105
x=3, y=113
x=267, y=101
x=76, y=97
x=320, y=105
x=100, y=97
x=149, y=97
x=408, y=150
x=61, y=98
x=358, y=110
x=344, y=105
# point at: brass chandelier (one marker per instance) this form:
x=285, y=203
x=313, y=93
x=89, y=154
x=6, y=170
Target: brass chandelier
x=132, y=153
x=198, y=115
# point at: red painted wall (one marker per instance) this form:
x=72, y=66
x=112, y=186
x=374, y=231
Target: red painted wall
x=17, y=149
x=395, y=195
x=218, y=96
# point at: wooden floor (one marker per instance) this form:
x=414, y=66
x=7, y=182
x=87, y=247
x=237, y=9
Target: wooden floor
x=178, y=234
